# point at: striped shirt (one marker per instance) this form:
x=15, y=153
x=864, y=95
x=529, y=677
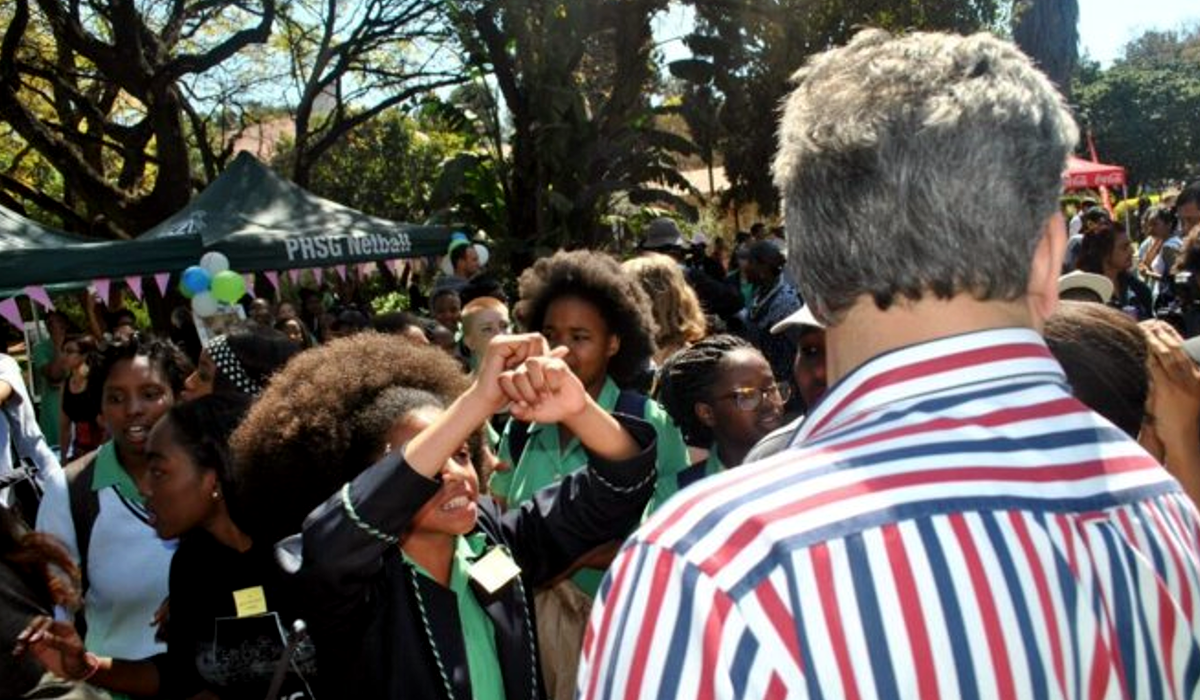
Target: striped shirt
x=949, y=522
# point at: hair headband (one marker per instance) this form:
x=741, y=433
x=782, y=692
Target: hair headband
x=223, y=357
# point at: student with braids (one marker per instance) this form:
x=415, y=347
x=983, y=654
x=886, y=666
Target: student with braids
x=406, y=569
x=723, y=396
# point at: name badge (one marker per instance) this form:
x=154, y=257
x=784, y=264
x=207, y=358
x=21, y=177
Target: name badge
x=250, y=601
x=494, y=570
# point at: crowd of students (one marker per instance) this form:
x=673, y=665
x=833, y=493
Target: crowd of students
x=329, y=504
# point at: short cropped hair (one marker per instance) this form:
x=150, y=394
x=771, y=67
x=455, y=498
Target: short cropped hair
x=923, y=164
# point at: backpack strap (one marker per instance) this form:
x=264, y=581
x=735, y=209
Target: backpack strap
x=518, y=436
x=631, y=403
x=85, y=506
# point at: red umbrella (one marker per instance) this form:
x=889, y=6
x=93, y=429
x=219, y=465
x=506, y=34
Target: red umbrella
x=1084, y=174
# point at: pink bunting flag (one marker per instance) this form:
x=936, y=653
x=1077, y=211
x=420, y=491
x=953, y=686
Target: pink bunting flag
x=394, y=266
x=161, y=279
x=318, y=275
x=250, y=284
x=38, y=294
x=273, y=278
x=294, y=275
x=365, y=269
x=341, y=270
x=102, y=285
x=12, y=313
x=134, y=283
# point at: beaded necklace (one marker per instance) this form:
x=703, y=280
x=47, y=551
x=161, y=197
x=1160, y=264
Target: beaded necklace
x=437, y=656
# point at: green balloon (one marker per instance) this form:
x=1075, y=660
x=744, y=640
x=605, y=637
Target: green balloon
x=228, y=286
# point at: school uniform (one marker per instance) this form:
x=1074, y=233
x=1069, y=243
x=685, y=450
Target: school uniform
x=384, y=629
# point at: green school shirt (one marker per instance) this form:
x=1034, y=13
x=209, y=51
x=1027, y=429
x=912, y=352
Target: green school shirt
x=109, y=472
x=478, y=633
x=710, y=466
x=543, y=463
x=50, y=394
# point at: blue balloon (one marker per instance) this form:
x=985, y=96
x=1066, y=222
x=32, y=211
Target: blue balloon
x=197, y=279
x=459, y=236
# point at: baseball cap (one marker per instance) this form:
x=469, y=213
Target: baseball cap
x=801, y=317
x=1098, y=284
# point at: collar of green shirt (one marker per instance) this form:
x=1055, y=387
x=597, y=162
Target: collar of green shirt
x=109, y=472
x=607, y=401
x=478, y=632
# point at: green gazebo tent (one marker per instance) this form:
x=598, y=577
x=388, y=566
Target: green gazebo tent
x=259, y=220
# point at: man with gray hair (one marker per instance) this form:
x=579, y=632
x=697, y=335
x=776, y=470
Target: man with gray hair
x=949, y=520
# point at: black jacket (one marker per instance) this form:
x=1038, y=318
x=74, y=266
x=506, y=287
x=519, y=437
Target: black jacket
x=359, y=599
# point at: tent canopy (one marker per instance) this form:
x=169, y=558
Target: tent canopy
x=1084, y=174
x=261, y=221
x=31, y=253
x=256, y=218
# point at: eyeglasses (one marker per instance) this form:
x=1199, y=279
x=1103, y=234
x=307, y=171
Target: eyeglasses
x=750, y=398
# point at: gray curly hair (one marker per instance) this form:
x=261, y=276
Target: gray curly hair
x=919, y=164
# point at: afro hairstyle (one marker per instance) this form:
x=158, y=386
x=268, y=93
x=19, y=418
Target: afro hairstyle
x=599, y=280
x=311, y=430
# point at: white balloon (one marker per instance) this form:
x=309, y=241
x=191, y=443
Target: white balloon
x=214, y=263
x=484, y=254
x=205, y=304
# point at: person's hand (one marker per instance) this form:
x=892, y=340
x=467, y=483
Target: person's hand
x=503, y=354
x=56, y=645
x=1167, y=352
x=544, y=389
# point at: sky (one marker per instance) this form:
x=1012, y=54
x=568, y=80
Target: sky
x=1105, y=26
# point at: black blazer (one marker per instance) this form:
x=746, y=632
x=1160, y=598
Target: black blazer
x=357, y=594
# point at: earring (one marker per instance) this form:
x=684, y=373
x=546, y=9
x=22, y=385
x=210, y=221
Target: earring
x=216, y=495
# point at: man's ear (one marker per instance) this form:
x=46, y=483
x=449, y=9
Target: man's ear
x=705, y=413
x=1046, y=267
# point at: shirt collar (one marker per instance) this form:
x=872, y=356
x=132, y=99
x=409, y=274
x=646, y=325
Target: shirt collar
x=109, y=472
x=1001, y=355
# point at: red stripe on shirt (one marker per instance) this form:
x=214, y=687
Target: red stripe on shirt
x=1041, y=584
x=931, y=367
x=823, y=573
x=620, y=574
x=658, y=584
x=911, y=609
x=748, y=531
x=710, y=651
x=986, y=605
x=777, y=613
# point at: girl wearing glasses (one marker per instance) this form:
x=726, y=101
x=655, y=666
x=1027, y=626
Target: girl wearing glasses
x=722, y=394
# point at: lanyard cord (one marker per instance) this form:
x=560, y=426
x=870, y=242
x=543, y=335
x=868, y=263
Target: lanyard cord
x=437, y=657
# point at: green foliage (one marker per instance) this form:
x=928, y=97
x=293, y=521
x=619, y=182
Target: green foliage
x=750, y=48
x=1142, y=110
x=387, y=167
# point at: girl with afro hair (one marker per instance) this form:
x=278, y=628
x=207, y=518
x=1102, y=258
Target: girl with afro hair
x=405, y=572
x=585, y=302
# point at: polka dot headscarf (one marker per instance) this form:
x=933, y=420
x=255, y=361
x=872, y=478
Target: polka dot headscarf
x=231, y=368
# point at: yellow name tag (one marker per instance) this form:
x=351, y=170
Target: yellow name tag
x=494, y=570
x=250, y=601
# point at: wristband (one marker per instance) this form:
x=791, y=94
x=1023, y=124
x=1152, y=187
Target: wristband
x=93, y=663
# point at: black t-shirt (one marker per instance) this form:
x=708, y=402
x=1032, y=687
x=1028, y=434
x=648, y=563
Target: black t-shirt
x=209, y=646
